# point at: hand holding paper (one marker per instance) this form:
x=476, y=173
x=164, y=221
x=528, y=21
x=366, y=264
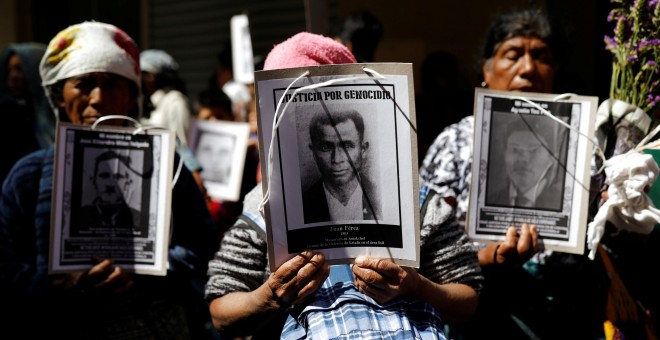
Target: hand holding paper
x=299, y=278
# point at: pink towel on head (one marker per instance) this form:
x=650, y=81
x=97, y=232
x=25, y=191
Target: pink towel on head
x=307, y=49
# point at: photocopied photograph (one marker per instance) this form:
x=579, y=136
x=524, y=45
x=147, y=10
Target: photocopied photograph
x=533, y=148
x=342, y=189
x=342, y=178
x=220, y=147
x=111, y=191
x=531, y=164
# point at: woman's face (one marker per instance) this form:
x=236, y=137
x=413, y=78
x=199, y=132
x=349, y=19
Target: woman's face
x=523, y=63
x=91, y=96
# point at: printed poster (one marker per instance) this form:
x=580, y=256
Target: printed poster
x=111, y=198
x=529, y=167
x=340, y=167
x=220, y=148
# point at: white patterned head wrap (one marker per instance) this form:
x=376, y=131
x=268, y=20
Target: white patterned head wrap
x=90, y=47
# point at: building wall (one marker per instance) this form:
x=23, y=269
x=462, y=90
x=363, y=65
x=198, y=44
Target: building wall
x=8, y=32
x=414, y=28
x=193, y=30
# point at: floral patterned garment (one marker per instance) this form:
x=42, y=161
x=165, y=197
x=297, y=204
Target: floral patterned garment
x=448, y=162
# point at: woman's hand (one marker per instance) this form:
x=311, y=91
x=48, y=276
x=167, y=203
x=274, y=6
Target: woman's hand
x=103, y=279
x=515, y=250
x=384, y=280
x=298, y=279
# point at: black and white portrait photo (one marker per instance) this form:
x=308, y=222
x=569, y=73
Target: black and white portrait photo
x=111, y=189
x=338, y=162
x=525, y=162
x=215, y=153
x=341, y=188
x=220, y=148
x=531, y=164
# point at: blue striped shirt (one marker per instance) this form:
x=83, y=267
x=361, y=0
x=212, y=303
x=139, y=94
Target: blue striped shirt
x=339, y=311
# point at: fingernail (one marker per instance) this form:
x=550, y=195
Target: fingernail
x=360, y=260
x=306, y=254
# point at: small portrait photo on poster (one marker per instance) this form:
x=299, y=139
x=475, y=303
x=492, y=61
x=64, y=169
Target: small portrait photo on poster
x=220, y=148
x=111, y=189
x=215, y=153
x=525, y=162
x=336, y=152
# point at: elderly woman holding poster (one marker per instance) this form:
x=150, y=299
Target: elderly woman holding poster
x=522, y=298
x=373, y=298
x=89, y=71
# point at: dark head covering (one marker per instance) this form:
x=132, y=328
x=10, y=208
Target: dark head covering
x=30, y=55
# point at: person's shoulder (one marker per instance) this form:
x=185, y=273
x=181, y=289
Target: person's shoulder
x=173, y=94
x=449, y=150
x=157, y=95
x=253, y=199
x=465, y=125
x=173, y=101
x=24, y=176
x=458, y=131
x=32, y=163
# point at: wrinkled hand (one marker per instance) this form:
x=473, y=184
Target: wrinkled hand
x=103, y=279
x=298, y=279
x=517, y=249
x=384, y=280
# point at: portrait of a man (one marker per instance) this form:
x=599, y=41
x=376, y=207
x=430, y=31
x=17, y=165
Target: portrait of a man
x=215, y=153
x=113, y=183
x=344, y=192
x=531, y=178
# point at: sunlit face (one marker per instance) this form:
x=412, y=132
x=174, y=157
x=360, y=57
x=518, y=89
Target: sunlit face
x=215, y=153
x=16, y=77
x=88, y=97
x=526, y=160
x=112, y=181
x=331, y=152
x=522, y=63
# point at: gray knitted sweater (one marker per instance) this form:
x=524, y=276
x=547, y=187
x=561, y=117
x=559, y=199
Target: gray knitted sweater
x=241, y=264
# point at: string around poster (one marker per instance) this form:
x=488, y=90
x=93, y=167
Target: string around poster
x=279, y=114
x=139, y=127
x=597, y=150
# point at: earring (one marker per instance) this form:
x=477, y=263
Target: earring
x=484, y=84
